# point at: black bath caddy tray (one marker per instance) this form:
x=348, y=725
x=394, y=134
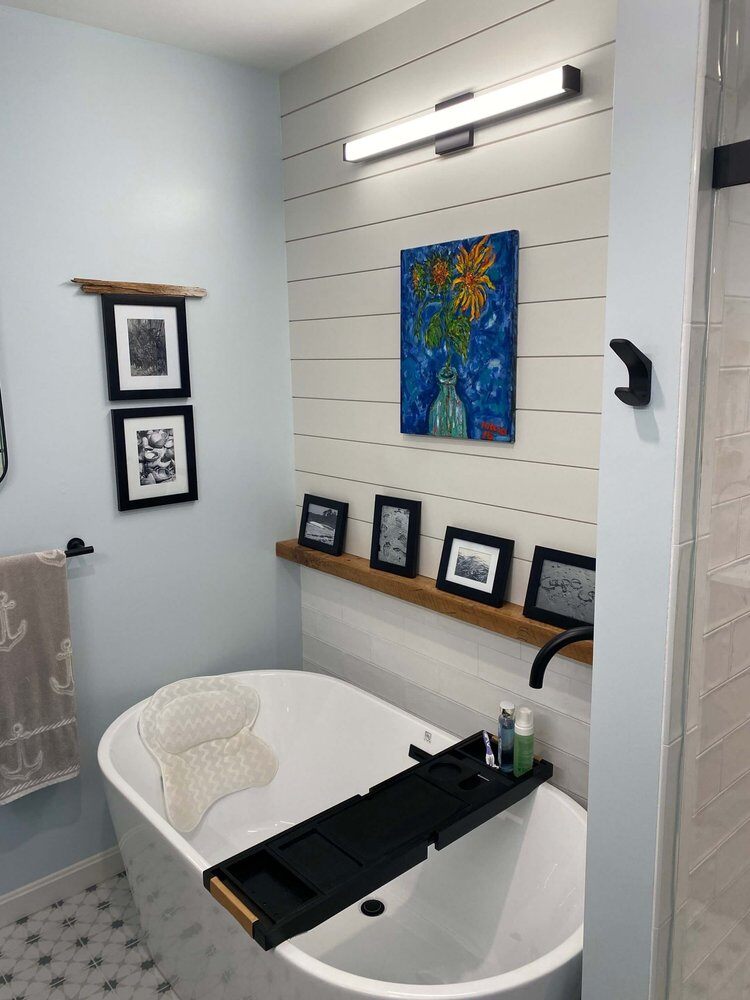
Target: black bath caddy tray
x=295, y=880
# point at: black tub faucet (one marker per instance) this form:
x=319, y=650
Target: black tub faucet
x=545, y=654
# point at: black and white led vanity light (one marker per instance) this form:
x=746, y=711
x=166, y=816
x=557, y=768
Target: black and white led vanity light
x=452, y=122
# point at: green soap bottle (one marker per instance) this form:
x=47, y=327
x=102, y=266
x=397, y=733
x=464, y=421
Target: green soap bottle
x=523, y=746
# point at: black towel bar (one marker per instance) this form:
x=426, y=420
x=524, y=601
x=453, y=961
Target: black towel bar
x=77, y=547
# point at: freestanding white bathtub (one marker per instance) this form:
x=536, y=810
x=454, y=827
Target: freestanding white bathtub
x=498, y=914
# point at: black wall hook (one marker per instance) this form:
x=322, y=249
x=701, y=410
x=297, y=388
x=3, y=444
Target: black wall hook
x=638, y=393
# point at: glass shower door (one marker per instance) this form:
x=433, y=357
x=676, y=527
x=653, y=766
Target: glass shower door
x=709, y=944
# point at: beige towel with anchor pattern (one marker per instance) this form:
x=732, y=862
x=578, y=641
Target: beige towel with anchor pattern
x=38, y=729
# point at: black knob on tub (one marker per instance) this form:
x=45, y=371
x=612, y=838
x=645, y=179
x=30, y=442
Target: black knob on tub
x=372, y=907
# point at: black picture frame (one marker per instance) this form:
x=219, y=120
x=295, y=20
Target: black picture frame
x=412, y=536
x=531, y=609
x=495, y=597
x=150, y=414
x=114, y=377
x=336, y=546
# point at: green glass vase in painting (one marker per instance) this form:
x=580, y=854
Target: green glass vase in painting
x=447, y=413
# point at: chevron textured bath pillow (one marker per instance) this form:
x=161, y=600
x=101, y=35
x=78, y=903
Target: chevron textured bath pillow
x=199, y=732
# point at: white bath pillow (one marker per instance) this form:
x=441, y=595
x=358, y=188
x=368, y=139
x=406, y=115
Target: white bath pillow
x=199, y=732
x=200, y=717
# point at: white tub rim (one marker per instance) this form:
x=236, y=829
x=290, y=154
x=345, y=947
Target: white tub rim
x=540, y=967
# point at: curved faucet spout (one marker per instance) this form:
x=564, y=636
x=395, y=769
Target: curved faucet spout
x=545, y=654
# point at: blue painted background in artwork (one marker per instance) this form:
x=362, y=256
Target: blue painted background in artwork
x=487, y=379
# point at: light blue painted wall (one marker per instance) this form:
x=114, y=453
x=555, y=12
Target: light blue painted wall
x=121, y=158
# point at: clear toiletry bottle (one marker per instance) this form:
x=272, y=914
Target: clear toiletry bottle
x=505, y=734
x=523, y=744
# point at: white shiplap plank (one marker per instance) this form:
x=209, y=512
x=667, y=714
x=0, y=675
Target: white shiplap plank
x=570, y=151
x=572, y=327
x=392, y=44
x=324, y=166
x=375, y=380
x=573, y=384
x=552, y=438
x=527, y=530
x=562, y=29
x=551, y=384
x=574, y=211
x=561, y=271
x=555, y=490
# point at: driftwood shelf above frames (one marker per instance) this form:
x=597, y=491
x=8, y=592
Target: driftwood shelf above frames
x=100, y=286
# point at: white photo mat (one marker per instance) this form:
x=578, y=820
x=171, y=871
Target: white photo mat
x=133, y=427
x=491, y=553
x=129, y=382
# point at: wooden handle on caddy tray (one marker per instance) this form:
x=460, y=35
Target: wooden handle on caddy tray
x=226, y=898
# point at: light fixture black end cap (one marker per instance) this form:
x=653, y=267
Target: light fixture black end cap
x=571, y=79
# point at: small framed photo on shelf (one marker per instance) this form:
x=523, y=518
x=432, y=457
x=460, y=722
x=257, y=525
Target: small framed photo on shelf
x=476, y=566
x=395, y=535
x=323, y=524
x=146, y=347
x=561, y=588
x=154, y=456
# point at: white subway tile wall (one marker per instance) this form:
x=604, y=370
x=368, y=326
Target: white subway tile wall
x=711, y=944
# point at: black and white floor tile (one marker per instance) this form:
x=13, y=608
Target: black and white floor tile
x=88, y=947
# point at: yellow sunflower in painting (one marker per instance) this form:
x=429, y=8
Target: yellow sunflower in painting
x=472, y=280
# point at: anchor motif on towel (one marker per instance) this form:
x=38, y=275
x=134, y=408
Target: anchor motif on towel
x=65, y=655
x=8, y=639
x=24, y=768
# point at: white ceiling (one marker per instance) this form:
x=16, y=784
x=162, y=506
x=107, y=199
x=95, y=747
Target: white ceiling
x=271, y=34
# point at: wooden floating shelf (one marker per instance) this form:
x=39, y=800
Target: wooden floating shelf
x=97, y=286
x=508, y=620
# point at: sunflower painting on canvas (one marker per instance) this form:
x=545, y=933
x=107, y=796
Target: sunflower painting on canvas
x=459, y=313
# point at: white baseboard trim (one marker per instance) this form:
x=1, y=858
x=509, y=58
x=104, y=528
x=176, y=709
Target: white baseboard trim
x=59, y=885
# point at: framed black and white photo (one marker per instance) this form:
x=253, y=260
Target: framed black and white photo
x=395, y=535
x=323, y=524
x=146, y=347
x=561, y=588
x=154, y=456
x=475, y=565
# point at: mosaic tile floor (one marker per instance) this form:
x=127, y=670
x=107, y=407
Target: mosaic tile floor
x=83, y=948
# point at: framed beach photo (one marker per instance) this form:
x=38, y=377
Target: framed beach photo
x=561, y=588
x=395, y=535
x=475, y=565
x=146, y=347
x=154, y=456
x=323, y=524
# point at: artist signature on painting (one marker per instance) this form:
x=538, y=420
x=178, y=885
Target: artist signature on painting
x=490, y=431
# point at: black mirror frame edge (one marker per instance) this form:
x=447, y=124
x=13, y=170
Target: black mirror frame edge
x=414, y=507
x=541, y=554
x=3, y=441
x=505, y=546
x=339, y=535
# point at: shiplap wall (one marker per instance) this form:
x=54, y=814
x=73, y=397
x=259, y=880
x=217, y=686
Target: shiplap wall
x=545, y=174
